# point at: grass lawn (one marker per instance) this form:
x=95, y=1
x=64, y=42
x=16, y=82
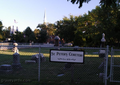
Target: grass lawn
x=82, y=74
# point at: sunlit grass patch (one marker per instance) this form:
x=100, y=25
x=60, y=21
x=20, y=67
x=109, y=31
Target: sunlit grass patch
x=45, y=53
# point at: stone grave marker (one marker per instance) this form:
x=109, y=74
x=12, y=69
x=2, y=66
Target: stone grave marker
x=5, y=68
x=36, y=57
x=16, y=61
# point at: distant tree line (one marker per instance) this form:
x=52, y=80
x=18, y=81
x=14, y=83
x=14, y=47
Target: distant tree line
x=82, y=30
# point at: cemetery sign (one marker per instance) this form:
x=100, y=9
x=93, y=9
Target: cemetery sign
x=66, y=56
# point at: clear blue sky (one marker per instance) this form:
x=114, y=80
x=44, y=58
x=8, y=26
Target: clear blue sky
x=31, y=12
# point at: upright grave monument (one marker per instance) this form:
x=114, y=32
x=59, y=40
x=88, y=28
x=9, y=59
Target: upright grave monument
x=57, y=39
x=16, y=57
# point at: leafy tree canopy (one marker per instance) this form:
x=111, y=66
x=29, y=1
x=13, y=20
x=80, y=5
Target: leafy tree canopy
x=27, y=31
x=1, y=26
x=106, y=3
x=29, y=34
x=0, y=23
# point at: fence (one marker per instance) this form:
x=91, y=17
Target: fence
x=94, y=70
x=84, y=74
x=115, y=65
x=14, y=68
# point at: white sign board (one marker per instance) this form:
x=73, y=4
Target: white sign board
x=67, y=56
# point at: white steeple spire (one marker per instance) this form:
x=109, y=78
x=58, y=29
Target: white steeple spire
x=44, y=20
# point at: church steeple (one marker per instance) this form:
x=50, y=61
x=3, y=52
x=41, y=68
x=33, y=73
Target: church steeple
x=44, y=20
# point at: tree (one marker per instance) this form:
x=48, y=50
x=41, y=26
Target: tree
x=43, y=36
x=81, y=30
x=51, y=29
x=79, y=39
x=19, y=37
x=105, y=20
x=29, y=35
x=46, y=31
x=27, y=31
x=58, y=26
x=1, y=35
x=86, y=30
x=66, y=28
x=42, y=26
x=1, y=26
x=80, y=2
x=6, y=32
x=106, y=3
x=37, y=35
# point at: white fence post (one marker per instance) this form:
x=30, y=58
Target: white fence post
x=106, y=65
x=39, y=65
x=111, y=66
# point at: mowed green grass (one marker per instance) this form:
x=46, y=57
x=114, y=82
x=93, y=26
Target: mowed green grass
x=83, y=74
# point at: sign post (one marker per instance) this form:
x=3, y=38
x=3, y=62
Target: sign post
x=69, y=57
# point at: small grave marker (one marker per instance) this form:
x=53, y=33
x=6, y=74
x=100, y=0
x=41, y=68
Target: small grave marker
x=36, y=57
x=30, y=61
x=5, y=68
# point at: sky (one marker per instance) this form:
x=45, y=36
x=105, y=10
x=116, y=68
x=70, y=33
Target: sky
x=31, y=12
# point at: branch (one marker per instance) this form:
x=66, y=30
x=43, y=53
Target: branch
x=80, y=2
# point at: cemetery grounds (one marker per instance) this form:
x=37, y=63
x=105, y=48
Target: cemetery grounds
x=52, y=73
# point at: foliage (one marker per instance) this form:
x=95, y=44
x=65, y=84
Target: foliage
x=80, y=2
x=6, y=32
x=105, y=3
x=29, y=34
x=87, y=29
x=37, y=35
x=66, y=28
x=47, y=30
x=19, y=37
x=43, y=36
x=1, y=35
x=79, y=40
x=51, y=29
x=1, y=26
x=82, y=30
x=42, y=26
